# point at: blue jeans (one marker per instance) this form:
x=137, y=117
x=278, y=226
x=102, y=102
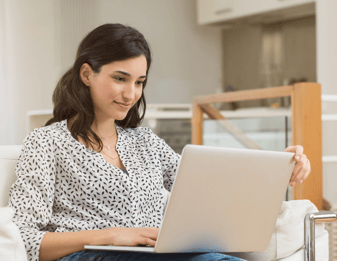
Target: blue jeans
x=98, y=255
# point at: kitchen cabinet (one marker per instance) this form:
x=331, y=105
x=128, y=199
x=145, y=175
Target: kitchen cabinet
x=270, y=5
x=217, y=11
x=212, y=11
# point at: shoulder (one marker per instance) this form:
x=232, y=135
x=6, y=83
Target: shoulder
x=47, y=134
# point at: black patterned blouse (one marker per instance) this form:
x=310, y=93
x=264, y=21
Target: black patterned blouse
x=63, y=186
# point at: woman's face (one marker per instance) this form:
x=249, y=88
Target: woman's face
x=117, y=87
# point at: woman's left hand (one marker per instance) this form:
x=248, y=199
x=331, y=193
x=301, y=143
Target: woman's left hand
x=302, y=167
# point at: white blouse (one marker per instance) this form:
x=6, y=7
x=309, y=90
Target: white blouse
x=63, y=186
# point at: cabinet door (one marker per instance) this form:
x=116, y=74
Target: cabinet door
x=273, y=5
x=210, y=11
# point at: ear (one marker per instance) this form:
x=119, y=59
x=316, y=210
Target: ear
x=85, y=72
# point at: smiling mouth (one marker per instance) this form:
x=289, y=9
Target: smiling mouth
x=123, y=105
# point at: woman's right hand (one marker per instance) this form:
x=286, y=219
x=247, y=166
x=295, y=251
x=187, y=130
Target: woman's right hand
x=123, y=236
x=55, y=245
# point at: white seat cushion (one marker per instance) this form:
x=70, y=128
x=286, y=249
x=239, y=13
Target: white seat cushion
x=11, y=245
x=287, y=241
x=8, y=159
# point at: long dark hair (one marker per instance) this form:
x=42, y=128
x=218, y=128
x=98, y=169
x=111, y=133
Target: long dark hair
x=105, y=44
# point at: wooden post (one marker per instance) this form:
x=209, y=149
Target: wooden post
x=307, y=131
x=197, y=121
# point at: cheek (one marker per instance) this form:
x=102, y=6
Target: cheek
x=102, y=92
x=97, y=96
x=105, y=93
x=105, y=89
x=139, y=94
x=137, y=97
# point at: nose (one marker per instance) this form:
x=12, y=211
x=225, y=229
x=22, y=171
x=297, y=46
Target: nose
x=129, y=92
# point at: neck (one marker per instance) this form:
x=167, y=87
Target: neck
x=104, y=128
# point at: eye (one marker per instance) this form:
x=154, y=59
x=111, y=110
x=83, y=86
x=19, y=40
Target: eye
x=140, y=83
x=120, y=79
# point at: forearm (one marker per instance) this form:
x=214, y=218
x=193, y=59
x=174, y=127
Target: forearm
x=55, y=245
x=59, y=244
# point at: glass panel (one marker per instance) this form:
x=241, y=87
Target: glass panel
x=267, y=132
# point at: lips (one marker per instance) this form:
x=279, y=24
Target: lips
x=124, y=105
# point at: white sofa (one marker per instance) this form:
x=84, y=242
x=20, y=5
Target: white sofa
x=286, y=243
x=8, y=157
x=11, y=244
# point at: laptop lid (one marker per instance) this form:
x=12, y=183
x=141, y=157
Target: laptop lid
x=224, y=200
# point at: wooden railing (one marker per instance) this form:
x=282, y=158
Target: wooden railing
x=306, y=126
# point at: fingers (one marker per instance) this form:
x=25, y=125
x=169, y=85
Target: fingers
x=298, y=166
x=302, y=167
x=298, y=150
x=147, y=241
x=301, y=170
x=150, y=232
x=122, y=236
x=148, y=236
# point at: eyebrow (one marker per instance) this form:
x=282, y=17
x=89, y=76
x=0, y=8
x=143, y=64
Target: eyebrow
x=127, y=74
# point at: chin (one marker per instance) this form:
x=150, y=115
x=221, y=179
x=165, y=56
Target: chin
x=119, y=116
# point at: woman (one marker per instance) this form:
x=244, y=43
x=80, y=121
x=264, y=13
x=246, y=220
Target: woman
x=90, y=176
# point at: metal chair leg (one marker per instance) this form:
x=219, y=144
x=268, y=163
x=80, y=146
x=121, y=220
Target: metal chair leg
x=309, y=231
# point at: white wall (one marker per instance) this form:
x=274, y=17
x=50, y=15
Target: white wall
x=326, y=22
x=6, y=103
x=326, y=33
x=186, y=57
x=42, y=34
x=29, y=62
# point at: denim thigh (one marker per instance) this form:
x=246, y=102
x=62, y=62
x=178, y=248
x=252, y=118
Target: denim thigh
x=93, y=255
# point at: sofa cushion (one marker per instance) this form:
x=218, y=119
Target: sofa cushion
x=11, y=245
x=288, y=237
x=290, y=230
x=8, y=158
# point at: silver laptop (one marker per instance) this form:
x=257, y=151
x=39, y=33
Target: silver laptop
x=223, y=200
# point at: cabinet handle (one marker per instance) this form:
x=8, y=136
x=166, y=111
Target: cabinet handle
x=223, y=11
x=282, y=0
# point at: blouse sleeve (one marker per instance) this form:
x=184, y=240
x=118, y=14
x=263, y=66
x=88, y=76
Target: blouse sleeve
x=31, y=195
x=168, y=158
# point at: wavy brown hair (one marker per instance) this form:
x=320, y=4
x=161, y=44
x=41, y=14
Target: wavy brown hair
x=105, y=44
